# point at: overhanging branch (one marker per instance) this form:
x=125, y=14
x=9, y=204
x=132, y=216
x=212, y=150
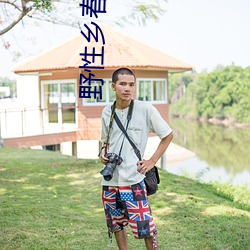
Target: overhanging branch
x=20, y=17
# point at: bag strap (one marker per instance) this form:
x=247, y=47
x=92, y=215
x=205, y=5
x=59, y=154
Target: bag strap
x=129, y=116
x=113, y=115
x=137, y=151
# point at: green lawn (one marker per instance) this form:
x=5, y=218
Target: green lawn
x=51, y=201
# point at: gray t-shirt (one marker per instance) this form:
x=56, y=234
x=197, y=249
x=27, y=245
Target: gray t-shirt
x=145, y=119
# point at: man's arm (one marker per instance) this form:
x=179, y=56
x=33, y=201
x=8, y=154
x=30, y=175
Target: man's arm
x=103, y=151
x=146, y=165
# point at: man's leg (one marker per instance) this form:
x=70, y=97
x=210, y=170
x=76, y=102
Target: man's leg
x=151, y=243
x=122, y=239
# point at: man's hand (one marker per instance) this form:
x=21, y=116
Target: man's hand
x=145, y=165
x=103, y=151
x=103, y=159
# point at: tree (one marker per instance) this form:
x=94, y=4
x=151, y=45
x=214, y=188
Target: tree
x=7, y=82
x=66, y=12
x=221, y=94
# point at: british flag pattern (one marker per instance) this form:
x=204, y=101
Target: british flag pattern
x=128, y=205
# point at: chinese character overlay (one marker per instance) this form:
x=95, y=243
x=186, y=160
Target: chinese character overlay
x=86, y=91
x=90, y=7
x=90, y=55
x=97, y=28
x=93, y=55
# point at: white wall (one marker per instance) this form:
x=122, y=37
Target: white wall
x=4, y=91
x=22, y=116
x=86, y=149
x=28, y=91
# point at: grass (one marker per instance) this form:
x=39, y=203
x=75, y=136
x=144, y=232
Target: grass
x=51, y=201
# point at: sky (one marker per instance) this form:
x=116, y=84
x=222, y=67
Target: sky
x=203, y=33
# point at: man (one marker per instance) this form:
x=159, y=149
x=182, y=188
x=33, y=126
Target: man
x=124, y=196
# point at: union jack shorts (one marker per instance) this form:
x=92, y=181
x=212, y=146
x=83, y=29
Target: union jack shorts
x=128, y=205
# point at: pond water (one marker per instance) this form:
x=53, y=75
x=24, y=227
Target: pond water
x=221, y=153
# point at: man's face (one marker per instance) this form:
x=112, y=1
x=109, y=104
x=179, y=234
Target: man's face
x=124, y=87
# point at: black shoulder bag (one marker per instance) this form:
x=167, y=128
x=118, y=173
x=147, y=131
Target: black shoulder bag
x=152, y=178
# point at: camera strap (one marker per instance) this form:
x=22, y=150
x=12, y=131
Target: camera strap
x=110, y=125
x=106, y=143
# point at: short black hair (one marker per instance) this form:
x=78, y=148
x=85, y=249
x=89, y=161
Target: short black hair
x=121, y=71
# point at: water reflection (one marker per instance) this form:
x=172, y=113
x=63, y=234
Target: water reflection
x=222, y=153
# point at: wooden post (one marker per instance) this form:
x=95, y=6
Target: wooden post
x=100, y=146
x=74, y=148
x=164, y=161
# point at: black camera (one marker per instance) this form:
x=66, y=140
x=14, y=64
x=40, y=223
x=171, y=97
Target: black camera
x=109, y=169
